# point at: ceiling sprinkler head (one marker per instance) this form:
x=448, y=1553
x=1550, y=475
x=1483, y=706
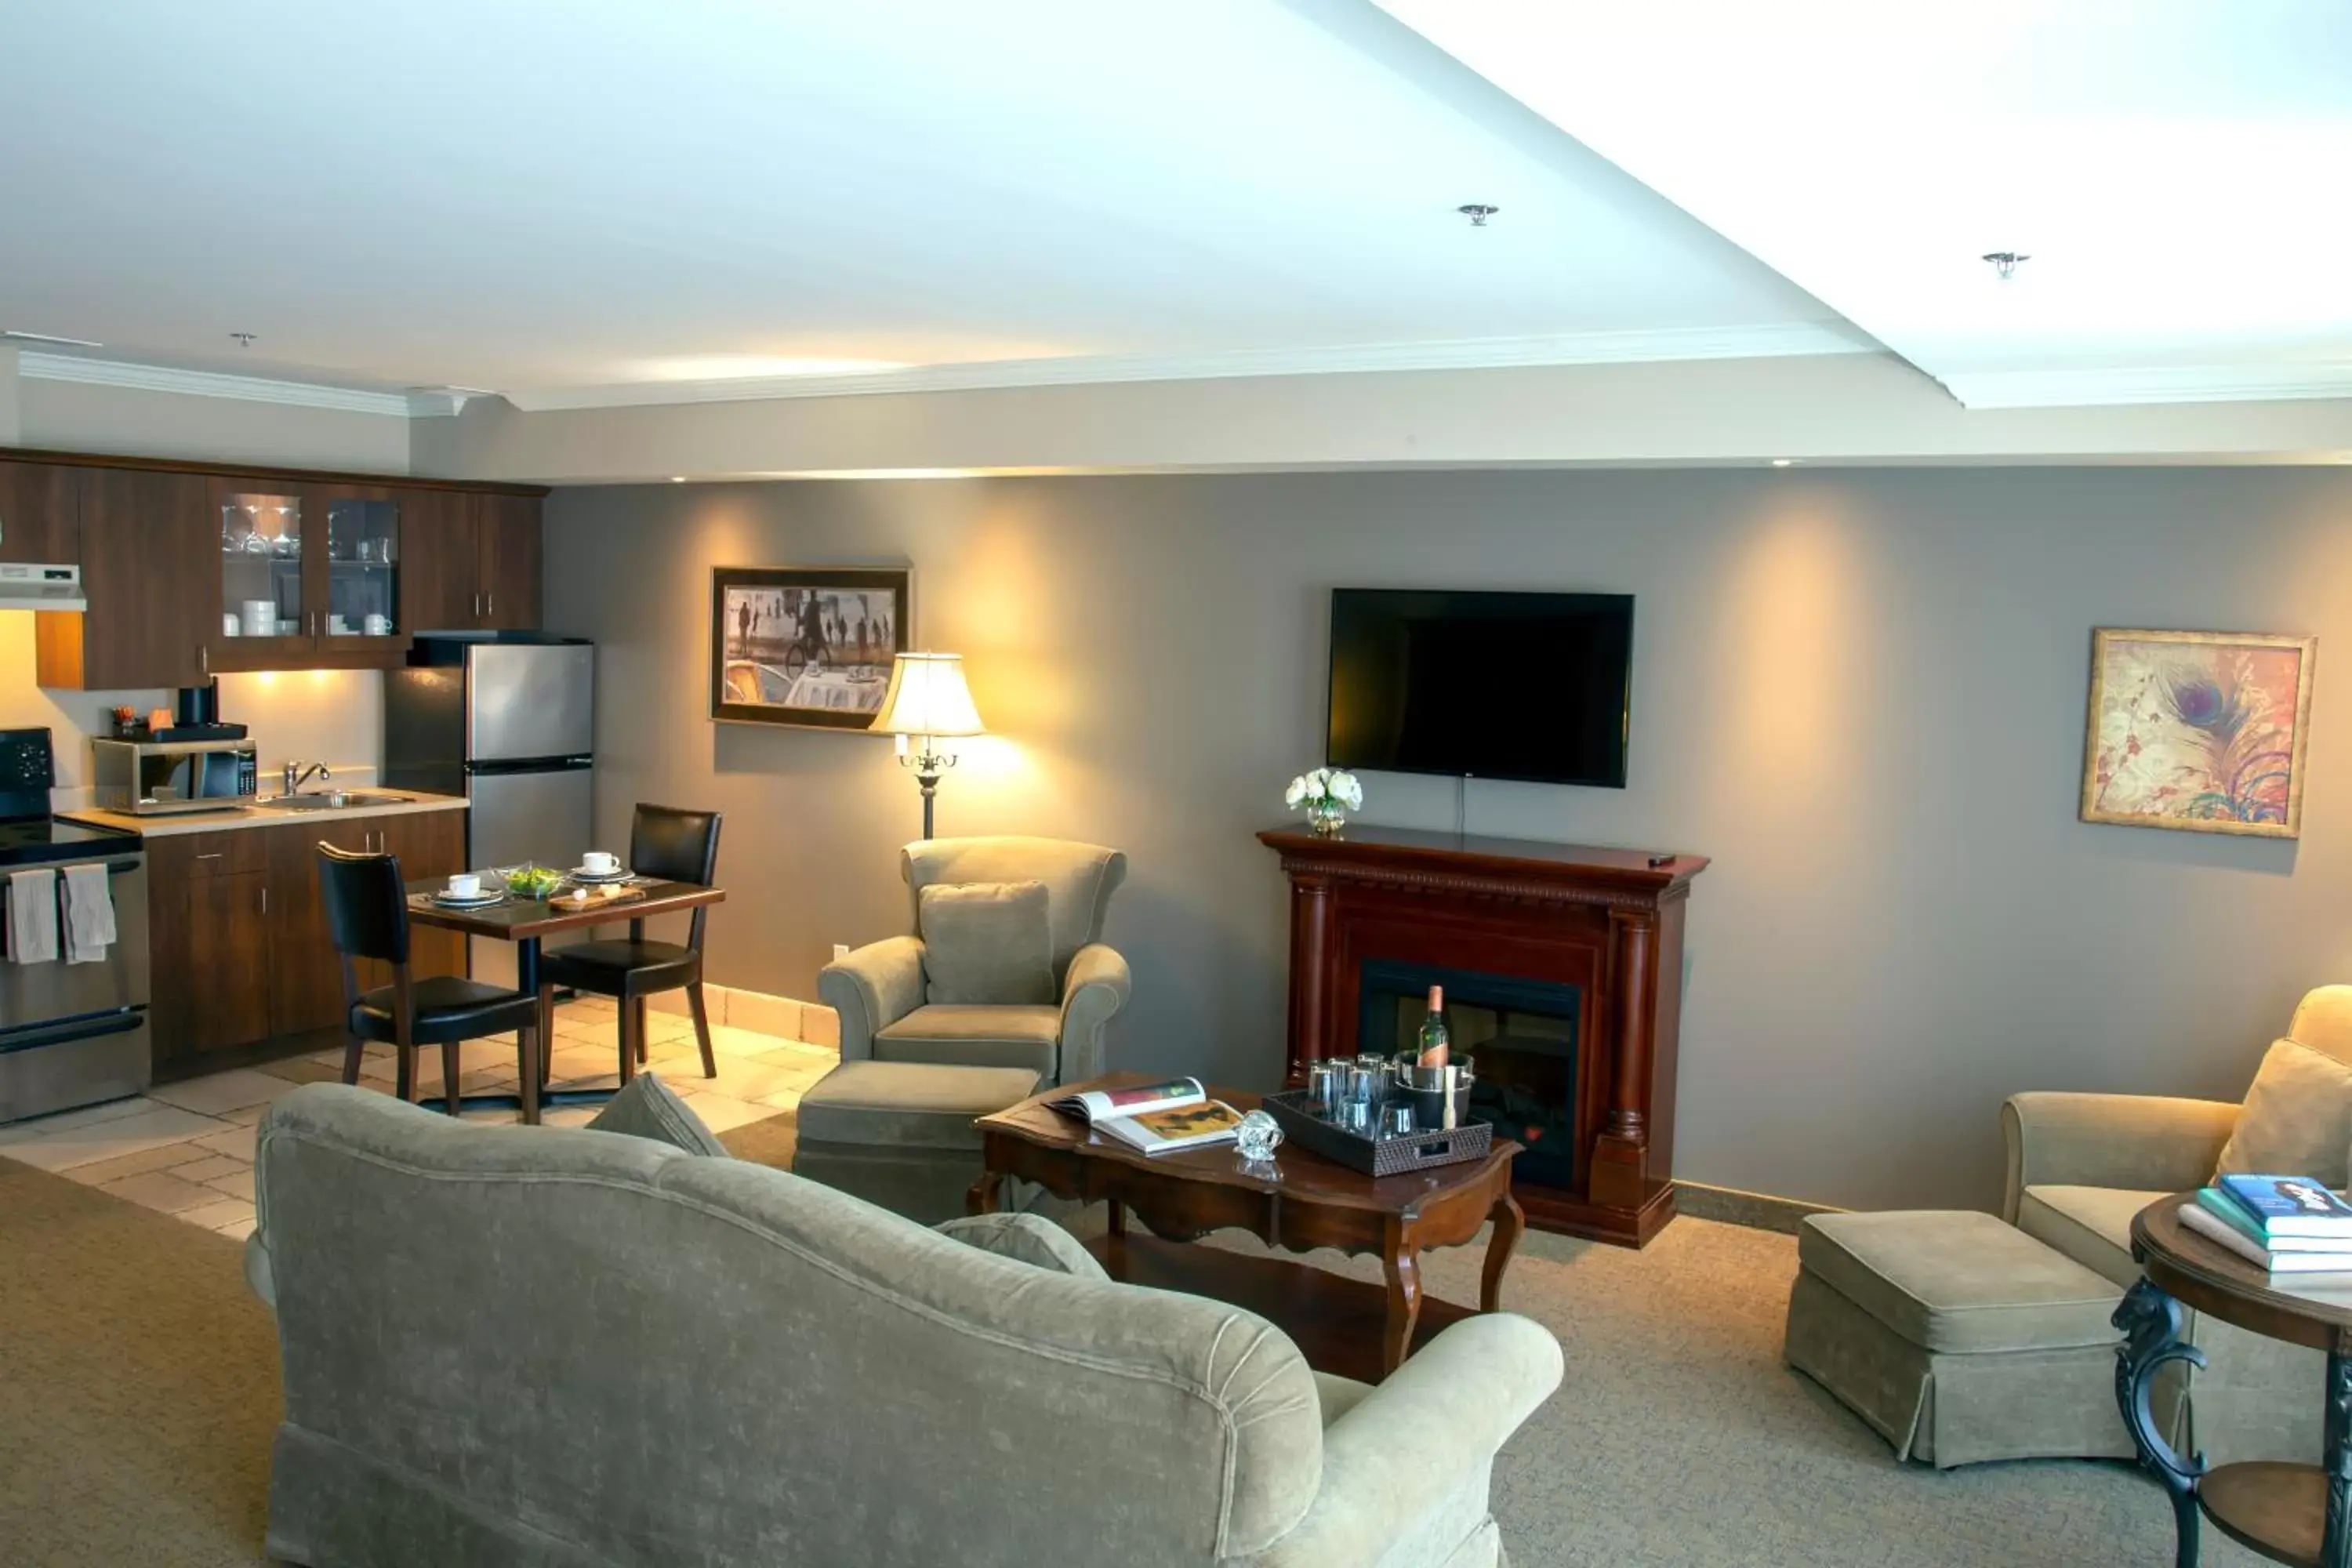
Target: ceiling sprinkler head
x=243, y=339
x=2005, y=262
x=1477, y=213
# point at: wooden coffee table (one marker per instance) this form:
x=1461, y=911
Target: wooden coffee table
x=1345, y=1326
x=2288, y=1513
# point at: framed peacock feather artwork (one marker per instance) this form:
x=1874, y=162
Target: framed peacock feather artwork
x=2203, y=731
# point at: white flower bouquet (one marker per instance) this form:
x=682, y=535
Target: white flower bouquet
x=1328, y=794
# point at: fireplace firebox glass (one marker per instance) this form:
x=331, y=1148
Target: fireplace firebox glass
x=1520, y=1037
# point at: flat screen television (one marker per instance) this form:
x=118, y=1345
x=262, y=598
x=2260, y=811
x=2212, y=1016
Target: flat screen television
x=1481, y=685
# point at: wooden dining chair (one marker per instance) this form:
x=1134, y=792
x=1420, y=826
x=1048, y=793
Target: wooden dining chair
x=367, y=916
x=668, y=844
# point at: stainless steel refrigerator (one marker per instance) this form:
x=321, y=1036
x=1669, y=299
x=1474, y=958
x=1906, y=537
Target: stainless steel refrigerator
x=508, y=720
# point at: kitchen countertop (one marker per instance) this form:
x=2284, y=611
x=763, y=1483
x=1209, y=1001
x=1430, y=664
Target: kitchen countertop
x=261, y=817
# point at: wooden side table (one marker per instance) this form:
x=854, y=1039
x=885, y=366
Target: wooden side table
x=1341, y=1325
x=2288, y=1513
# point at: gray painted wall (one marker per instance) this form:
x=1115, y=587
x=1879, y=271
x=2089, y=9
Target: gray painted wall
x=1861, y=692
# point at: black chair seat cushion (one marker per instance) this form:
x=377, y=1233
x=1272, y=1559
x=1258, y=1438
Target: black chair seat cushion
x=621, y=968
x=447, y=1008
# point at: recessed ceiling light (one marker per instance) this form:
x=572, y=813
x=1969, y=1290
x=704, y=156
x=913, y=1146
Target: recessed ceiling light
x=51, y=338
x=1783, y=462
x=677, y=479
x=1477, y=213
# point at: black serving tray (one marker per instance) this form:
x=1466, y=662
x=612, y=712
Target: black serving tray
x=1376, y=1156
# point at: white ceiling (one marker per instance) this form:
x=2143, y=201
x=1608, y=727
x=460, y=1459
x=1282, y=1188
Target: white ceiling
x=2174, y=168
x=585, y=201
x=570, y=202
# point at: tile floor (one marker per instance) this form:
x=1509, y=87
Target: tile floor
x=186, y=1149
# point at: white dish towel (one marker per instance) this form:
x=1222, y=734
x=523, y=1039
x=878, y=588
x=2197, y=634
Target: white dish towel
x=89, y=913
x=33, y=915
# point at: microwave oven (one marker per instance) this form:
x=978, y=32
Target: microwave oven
x=154, y=778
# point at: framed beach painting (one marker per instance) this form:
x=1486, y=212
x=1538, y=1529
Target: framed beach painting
x=809, y=645
x=2203, y=731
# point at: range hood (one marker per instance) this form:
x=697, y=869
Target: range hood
x=26, y=587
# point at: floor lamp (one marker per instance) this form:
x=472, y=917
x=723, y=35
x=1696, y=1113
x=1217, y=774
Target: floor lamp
x=928, y=703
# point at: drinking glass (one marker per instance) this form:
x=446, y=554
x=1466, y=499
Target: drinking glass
x=1396, y=1118
x=1320, y=1078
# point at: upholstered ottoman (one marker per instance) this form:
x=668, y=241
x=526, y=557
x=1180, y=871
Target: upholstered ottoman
x=901, y=1134
x=1957, y=1337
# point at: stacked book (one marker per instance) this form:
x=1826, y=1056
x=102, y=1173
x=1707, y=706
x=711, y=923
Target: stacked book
x=2289, y=1224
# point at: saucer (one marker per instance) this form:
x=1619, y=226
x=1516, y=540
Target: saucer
x=479, y=901
x=581, y=874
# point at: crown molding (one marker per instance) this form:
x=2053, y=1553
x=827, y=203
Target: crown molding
x=1476, y=353
x=2181, y=383
x=207, y=383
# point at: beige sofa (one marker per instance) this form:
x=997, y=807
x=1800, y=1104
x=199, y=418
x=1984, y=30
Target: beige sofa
x=881, y=992
x=2080, y=1167
x=567, y=1348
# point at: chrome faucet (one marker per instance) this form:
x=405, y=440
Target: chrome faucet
x=299, y=773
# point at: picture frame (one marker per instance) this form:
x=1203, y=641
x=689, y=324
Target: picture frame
x=809, y=647
x=2198, y=731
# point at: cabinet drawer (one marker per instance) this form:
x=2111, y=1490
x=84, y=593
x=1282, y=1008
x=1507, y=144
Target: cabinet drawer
x=209, y=854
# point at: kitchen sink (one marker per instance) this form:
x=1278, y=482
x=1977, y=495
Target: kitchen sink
x=332, y=800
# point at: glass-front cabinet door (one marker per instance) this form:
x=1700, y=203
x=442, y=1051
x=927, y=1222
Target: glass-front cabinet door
x=264, y=607
x=363, y=568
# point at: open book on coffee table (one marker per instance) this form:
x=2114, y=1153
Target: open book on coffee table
x=1156, y=1118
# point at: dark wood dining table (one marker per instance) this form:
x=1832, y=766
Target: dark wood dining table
x=526, y=923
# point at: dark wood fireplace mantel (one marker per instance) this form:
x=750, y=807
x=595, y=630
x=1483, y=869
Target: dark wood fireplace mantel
x=1608, y=922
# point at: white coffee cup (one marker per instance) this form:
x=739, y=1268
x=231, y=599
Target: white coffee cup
x=377, y=625
x=599, y=863
x=230, y=627
x=340, y=626
x=464, y=885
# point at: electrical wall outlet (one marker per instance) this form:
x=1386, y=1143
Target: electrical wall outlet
x=840, y=951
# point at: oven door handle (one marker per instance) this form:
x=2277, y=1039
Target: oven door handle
x=88, y=1027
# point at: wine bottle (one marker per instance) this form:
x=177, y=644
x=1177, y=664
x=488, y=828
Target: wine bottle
x=1436, y=1049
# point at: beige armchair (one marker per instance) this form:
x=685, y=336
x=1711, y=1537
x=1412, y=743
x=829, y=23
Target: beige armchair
x=883, y=991
x=2080, y=1167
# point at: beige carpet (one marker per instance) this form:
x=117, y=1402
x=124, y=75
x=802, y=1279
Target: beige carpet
x=138, y=1384
x=139, y=1390
x=1678, y=1440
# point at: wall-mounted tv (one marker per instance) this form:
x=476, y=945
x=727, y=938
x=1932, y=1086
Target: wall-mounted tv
x=1481, y=685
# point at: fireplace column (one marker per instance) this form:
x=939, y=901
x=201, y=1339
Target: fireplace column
x=1311, y=976
x=1621, y=1152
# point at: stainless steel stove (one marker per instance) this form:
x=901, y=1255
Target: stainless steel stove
x=70, y=1034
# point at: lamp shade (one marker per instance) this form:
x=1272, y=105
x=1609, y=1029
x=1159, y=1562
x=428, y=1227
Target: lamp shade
x=928, y=697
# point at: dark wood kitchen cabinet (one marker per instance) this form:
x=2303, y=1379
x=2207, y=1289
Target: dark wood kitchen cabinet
x=242, y=963
x=475, y=564
x=353, y=565
x=147, y=564
x=510, y=544
x=440, y=575
x=40, y=513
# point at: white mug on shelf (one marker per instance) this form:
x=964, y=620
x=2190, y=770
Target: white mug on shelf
x=260, y=618
x=339, y=626
x=464, y=885
x=378, y=626
x=599, y=863
x=230, y=625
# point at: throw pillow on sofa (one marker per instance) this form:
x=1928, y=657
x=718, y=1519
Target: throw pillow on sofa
x=649, y=1108
x=986, y=942
x=2297, y=1120
x=1028, y=1236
